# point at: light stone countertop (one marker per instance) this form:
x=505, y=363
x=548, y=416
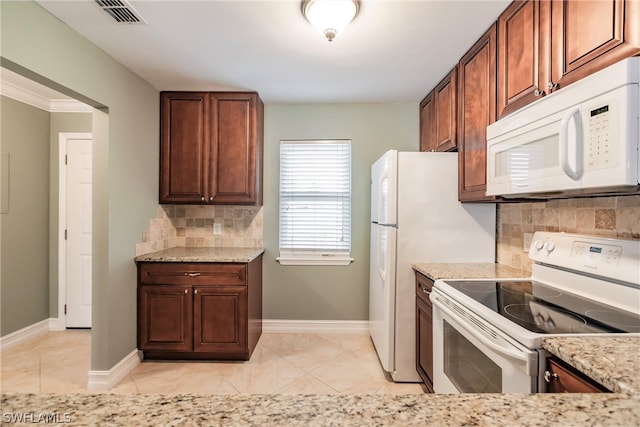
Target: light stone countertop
x=435, y=271
x=513, y=410
x=605, y=359
x=209, y=254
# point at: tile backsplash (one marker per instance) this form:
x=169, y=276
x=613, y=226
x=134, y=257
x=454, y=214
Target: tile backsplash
x=598, y=216
x=192, y=226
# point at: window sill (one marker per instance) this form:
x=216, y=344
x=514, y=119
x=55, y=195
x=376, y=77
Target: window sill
x=314, y=261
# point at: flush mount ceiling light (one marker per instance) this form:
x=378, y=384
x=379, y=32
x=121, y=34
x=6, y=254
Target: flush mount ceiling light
x=330, y=17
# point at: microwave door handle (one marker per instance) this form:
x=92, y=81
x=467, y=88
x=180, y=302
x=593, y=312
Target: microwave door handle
x=574, y=116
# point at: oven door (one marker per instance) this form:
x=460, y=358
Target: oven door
x=471, y=357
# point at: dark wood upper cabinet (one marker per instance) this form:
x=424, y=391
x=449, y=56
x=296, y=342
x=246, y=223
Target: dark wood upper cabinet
x=184, y=147
x=211, y=148
x=523, y=40
x=476, y=110
x=427, y=124
x=588, y=36
x=446, y=108
x=438, y=114
x=545, y=45
x=236, y=148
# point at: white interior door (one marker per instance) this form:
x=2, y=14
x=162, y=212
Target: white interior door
x=78, y=226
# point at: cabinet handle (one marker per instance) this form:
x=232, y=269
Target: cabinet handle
x=548, y=376
x=538, y=92
x=425, y=291
x=192, y=274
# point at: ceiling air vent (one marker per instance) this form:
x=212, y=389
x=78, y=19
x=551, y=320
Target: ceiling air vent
x=121, y=11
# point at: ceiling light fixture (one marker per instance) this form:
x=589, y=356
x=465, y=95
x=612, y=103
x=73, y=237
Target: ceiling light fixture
x=330, y=17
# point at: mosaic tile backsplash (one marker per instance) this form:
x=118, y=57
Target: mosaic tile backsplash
x=598, y=216
x=192, y=226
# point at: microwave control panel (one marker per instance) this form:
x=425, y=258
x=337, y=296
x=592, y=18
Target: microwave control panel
x=599, y=151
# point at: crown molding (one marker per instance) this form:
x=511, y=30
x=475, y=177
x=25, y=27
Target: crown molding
x=26, y=96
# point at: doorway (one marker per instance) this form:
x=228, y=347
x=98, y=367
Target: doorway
x=75, y=229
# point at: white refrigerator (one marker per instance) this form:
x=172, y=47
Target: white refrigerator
x=416, y=218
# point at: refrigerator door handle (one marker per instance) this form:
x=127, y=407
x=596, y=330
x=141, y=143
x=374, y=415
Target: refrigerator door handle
x=383, y=194
x=381, y=246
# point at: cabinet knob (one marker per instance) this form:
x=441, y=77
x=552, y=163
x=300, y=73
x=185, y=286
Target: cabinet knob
x=552, y=85
x=211, y=198
x=548, y=376
x=186, y=291
x=202, y=198
x=195, y=291
x=538, y=92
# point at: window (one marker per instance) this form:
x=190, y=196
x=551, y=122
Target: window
x=315, y=202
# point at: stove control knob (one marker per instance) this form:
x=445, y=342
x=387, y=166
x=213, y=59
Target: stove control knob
x=549, y=245
x=538, y=245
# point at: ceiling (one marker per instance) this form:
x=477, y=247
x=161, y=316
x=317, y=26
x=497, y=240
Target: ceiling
x=393, y=51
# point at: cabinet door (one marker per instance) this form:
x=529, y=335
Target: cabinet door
x=523, y=40
x=476, y=110
x=220, y=319
x=446, y=107
x=591, y=35
x=236, y=145
x=165, y=318
x=424, y=330
x=427, y=123
x=184, y=147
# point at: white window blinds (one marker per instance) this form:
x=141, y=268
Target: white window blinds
x=315, y=202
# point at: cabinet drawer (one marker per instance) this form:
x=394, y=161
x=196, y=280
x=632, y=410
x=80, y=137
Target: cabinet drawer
x=423, y=287
x=161, y=273
x=564, y=379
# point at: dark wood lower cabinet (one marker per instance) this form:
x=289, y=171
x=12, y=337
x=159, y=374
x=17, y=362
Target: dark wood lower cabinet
x=424, y=331
x=220, y=319
x=199, y=310
x=562, y=378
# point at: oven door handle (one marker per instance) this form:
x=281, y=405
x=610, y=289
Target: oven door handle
x=497, y=343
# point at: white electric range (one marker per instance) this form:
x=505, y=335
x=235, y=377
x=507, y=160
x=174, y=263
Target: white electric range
x=488, y=332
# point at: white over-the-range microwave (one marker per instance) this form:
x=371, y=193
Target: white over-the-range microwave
x=580, y=140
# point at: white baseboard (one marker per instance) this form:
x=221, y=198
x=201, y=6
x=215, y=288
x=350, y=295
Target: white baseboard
x=57, y=324
x=274, y=326
x=25, y=334
x=105, y=380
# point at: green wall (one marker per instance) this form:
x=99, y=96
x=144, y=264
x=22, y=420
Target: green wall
x=30, y=247
x=25, y=228
x=329, y=292
x=126, y=132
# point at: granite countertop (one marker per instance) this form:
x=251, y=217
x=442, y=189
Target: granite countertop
x=330, y=410
x=488, y=270
x=209, y=254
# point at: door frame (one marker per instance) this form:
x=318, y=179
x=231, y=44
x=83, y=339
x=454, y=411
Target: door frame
x=63, y=137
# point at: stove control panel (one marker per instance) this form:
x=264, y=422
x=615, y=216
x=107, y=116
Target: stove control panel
x=612, y=258
x=595, y=253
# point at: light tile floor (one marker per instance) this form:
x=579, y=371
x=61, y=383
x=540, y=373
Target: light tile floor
x=58, y=362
